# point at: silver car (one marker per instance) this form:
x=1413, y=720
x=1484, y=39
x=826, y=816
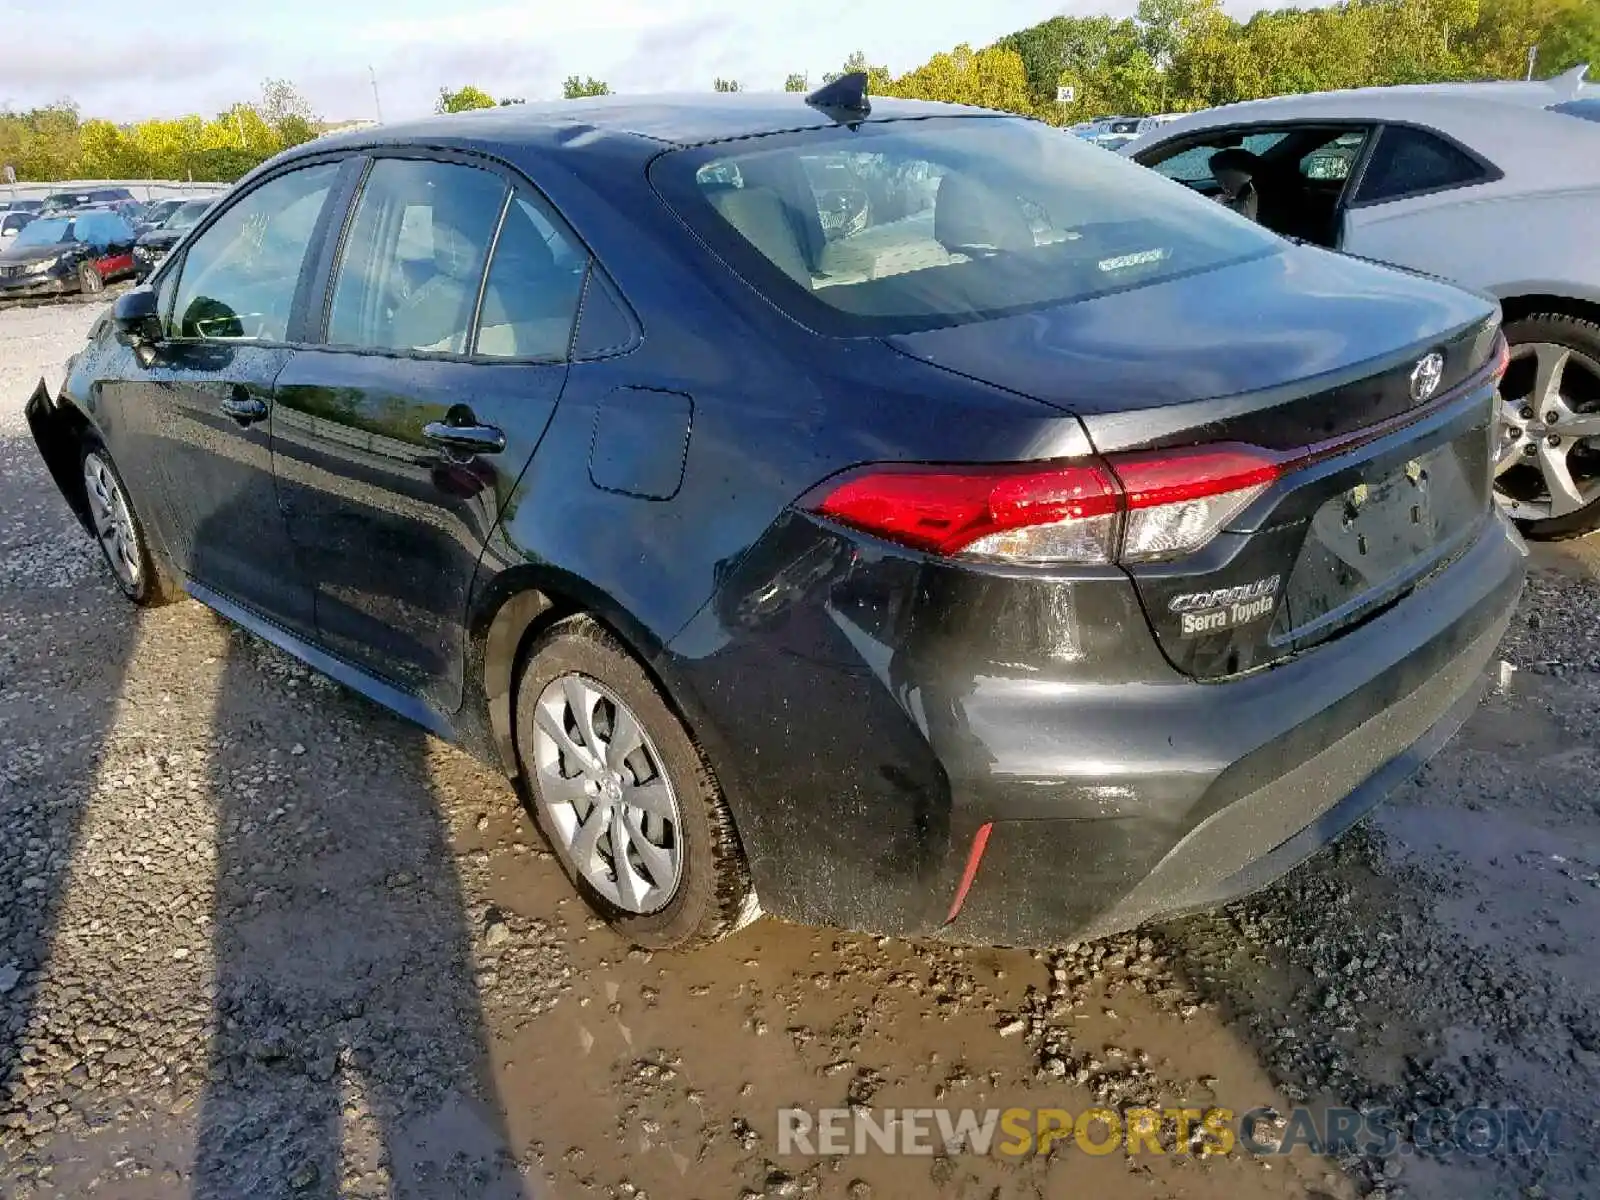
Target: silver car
x=1495, y=185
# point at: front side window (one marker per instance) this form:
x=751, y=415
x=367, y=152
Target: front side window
x=1408, y=161
x=239, y=278
x=911, y=225
x=414, y=258
x=102, y=230
x=1193, y=164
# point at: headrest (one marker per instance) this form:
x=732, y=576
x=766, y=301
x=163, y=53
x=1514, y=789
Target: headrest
x=968, y=213
x=761, y=218
x=1234, y=167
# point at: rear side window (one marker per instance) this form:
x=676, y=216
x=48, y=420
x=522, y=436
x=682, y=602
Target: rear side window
x=414, y=258
x=240, y=276
x=900, y=226
x=531, y=295
x=1408, y=161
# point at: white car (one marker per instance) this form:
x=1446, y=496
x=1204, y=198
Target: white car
x=12, y=223
x=1495, y=185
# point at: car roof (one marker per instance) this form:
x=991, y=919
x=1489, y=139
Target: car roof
x=87, y=210
x=1537, y=94
x=1506, y=122
x=655, y=121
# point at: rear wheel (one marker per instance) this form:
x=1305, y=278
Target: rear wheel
x=624, y=795
x=1547, y=468
x=119, y=533
x=89, y=281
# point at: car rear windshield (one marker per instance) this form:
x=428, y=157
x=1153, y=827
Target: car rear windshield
x=904, y=225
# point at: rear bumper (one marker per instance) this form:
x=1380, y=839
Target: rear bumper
x=867, y=715
x=1219, y=789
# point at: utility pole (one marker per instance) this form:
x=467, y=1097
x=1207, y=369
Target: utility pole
x=376, y=103
x=1533, y=57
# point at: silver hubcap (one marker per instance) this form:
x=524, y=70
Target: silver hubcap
x=1545, y=464
x=609, y=805
x=113, y=522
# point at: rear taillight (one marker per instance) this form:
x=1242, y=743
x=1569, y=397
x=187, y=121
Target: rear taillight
x=1130, y=508
x=1178, y=501
x=1064, y=512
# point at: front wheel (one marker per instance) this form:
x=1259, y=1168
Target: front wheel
x=1547, y=465
x=624, y=795
x=89, y=281
x=118, y=531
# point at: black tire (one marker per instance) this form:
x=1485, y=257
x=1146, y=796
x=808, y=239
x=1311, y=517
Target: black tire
x=1581, y=335
x=155, y=584
x=714, y=894
x=89, y=281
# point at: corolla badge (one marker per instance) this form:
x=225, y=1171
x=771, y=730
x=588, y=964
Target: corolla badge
x=1426, y=376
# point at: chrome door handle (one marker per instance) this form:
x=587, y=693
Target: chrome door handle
x=465, y=439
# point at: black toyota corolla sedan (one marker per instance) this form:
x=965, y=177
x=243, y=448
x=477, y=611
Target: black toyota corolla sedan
x=898, y=516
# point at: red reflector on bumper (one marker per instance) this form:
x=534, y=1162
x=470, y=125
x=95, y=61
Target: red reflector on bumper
x=974, y=857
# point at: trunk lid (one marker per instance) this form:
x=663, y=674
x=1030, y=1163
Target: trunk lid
x=1372, y=386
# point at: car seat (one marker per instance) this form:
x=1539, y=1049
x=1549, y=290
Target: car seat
x=436, y=314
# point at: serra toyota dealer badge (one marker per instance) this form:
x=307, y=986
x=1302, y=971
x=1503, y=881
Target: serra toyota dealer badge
x=1225, y=608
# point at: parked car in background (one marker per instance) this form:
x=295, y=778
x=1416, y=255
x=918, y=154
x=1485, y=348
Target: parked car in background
x=1007, y=568
x=67, y=252
x=1496, y=185
x=59, y=202
x=13, y=223
x=1112, y=133
x=156, y=212
x=10, y=205
x=154, y=243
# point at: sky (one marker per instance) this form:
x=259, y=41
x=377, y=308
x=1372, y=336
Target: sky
x=203, y=57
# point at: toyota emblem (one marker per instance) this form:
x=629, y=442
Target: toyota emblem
x=1426, y=376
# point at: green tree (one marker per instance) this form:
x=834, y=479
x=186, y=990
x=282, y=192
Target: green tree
x=878, y=78
x=463, y=100
x=797, y=83
x=726, y=85
x=1572, y=36
x=288, y=112
x=993, y=78
x=574, y=88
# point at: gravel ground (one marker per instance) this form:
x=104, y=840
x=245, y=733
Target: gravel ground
x=258, y=938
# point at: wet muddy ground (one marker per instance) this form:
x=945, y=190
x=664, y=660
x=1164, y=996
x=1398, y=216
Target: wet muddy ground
x=258, y=938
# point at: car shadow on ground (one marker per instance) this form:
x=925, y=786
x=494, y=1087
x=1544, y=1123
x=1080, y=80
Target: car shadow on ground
x=348, y=1054
x=66, y=636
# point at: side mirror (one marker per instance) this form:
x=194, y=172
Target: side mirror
x=137, y=318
